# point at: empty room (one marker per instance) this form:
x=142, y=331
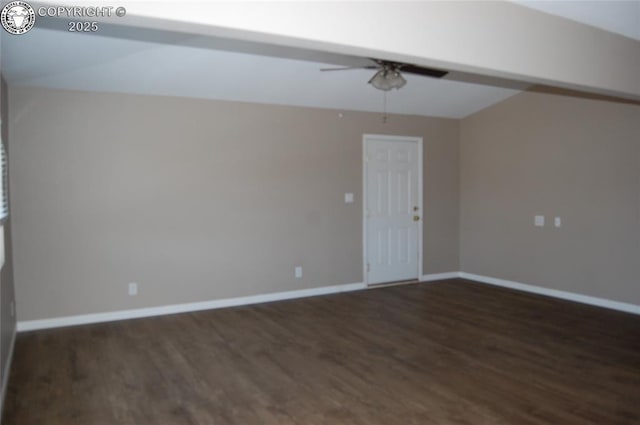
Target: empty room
x=366, y=213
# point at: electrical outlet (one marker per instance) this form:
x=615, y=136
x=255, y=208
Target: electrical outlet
x=538, y=221
x=133, y=289
x=557, y=222
x=298, y=272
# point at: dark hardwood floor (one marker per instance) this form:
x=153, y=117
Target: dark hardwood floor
x=452, y=352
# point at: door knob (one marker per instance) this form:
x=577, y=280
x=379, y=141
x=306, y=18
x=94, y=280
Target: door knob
x=416, y=218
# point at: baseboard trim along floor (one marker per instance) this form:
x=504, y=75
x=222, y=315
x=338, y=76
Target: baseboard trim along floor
x=31, y=325
x=555, y=293
x=439, y=276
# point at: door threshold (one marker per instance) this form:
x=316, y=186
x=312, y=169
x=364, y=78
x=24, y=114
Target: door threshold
x=388, y=284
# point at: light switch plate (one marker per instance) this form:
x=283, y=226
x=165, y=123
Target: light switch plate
x=348, y=198
x=557, y=222
x=298, y=272
x=538, y=220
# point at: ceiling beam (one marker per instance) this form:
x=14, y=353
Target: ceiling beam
x=492, y=38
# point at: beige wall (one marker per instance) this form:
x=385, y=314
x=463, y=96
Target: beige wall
x=7, y=320
x=197, y=200
x=553, y=155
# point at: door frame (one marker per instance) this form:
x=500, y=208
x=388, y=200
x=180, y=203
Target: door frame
x=391, y=138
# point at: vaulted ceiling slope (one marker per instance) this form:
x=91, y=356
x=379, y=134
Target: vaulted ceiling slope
x=113, y=64
x=621, y=17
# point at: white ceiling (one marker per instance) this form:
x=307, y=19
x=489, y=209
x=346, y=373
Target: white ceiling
x=129, y=66
x=176, y=65
x=622, y=17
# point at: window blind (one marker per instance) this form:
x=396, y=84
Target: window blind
x=4, y=189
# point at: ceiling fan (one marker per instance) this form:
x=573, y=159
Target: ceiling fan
x=389, y=76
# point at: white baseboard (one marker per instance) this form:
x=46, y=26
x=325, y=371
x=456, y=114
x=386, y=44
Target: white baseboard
x=571, y=296
x=7, y=371
x=439, y=276
x=31, y=325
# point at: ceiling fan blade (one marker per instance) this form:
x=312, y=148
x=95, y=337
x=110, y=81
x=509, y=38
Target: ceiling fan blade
x=349, y=67
x=421, y=70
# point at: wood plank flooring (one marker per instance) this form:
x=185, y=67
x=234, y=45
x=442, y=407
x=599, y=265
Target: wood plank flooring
x=452, y=352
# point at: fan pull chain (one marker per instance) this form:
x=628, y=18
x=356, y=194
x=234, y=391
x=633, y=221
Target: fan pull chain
x=384, y=108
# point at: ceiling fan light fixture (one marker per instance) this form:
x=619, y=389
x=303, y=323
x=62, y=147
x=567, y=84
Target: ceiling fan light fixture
x=387, y=79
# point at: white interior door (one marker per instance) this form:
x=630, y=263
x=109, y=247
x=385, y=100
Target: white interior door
x=392, y=208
